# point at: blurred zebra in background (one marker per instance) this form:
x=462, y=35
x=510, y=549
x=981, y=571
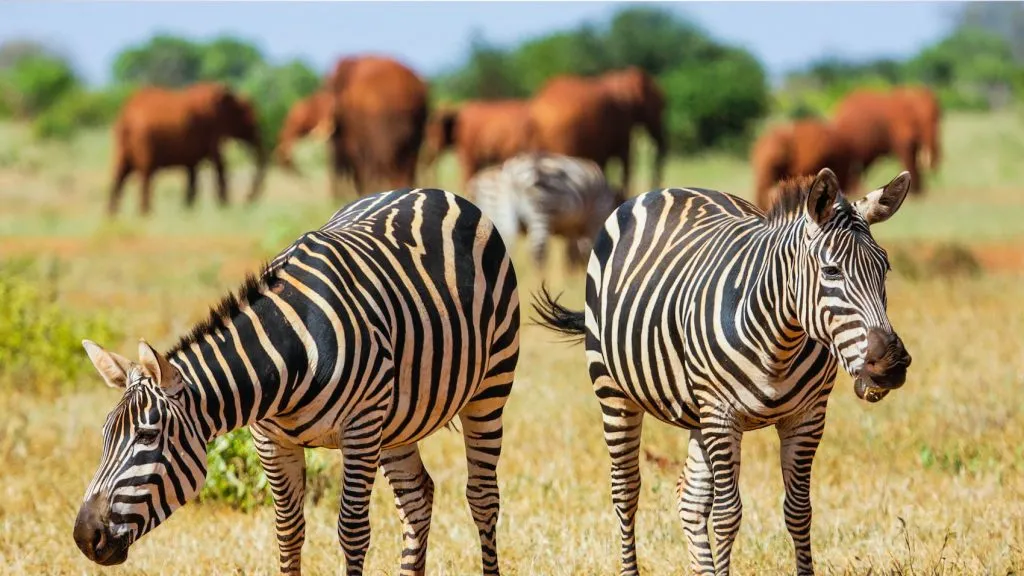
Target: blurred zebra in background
x=544, y=194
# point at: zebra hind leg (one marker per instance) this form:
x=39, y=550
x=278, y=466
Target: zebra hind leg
x=360, y=448
x=799, y=438
x=482, y=432
x=414, y=497
x=623, y=424
x=695, y=492
x=285, y=466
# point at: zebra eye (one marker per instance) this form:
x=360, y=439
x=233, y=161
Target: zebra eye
x=146, y=435
x=832, y=272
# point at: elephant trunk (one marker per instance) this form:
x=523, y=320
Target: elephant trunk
x=657, y=133
x=283, y=153
x=260, y=157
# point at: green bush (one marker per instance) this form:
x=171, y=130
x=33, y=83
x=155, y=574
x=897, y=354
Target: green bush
x=274, y=89
x=717, y=103
x=40, y=339
x=79, y=109
x=235, y=476
x=35, y=83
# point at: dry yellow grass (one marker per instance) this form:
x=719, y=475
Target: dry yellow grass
x=930, y=480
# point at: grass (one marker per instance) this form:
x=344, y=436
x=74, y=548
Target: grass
x=928, y=481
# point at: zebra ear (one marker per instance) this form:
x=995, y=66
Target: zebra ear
x=112, y=366
x=158, y=368
x=879, y=205
x=821, y=199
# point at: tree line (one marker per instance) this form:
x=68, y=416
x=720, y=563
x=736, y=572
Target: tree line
x=716, y=93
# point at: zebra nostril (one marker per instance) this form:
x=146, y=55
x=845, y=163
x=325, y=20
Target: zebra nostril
x=99, y=538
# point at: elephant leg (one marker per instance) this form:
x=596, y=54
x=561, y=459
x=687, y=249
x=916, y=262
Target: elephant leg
x=335, y=172
x=147, y=192
x=908, y=157
x=222, y=178
x=190, y=187
x=124, y=168
x=625, y=157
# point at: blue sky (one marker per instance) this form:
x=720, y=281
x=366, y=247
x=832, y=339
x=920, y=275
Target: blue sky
x=431, y=36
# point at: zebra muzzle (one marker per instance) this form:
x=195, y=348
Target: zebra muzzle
x=95, y=537
x=885, y=366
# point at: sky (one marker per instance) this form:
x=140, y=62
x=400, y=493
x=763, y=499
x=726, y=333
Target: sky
x=434, y=36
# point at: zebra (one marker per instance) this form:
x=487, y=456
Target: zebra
x=546, y=193
x=713, y=316
x=367, y=335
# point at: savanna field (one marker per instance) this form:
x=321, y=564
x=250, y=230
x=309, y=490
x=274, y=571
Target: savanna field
x=928, y=481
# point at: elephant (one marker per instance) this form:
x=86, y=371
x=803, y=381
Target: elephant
x=303, y=117
x=593, y=118
x=483, y=133
x=928, y=114
x=877, y=125
x=376, y=122
x=162, y=128
x=800, y=148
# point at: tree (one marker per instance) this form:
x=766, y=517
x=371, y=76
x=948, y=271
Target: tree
x=229, y=60
x=274, y=89
x=1003, y=19
x=36, y=82
x=162, y=61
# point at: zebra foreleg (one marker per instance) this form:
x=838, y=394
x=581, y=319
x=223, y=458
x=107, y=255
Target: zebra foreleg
x=799, y=438
x=285, y=466
x=360, y=449
x=623, y=423
x=414, y=497
x=482, y=432
x=695, y=493
x=722, y=442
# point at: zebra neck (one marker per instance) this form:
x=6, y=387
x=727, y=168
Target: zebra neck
x=237, y=374
x=770, y=312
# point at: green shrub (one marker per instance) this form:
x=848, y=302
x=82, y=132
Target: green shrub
x=274, y=89
x=40, y=339
x=79, y=109
x=35, y=83
x=235, y=476
x=716, y=103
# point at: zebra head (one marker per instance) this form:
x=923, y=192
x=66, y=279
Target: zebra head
x=841, y=283
x=154, y=457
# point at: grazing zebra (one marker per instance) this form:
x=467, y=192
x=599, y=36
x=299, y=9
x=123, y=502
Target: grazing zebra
x=546, y=194
x=367, y=335
x=712, y=316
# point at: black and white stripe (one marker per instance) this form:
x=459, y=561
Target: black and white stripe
x=709, y=315
x=546, y=194
x=369, y=334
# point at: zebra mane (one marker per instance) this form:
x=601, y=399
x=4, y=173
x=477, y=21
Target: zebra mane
x=229, y=306
x=790, y=198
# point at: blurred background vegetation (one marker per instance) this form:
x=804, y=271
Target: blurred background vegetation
x=716, y=93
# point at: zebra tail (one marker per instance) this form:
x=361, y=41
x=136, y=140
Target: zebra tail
x=558, y=318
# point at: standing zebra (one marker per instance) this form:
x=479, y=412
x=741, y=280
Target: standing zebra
x=711, y=316
x=546, y=194
x=367, y=335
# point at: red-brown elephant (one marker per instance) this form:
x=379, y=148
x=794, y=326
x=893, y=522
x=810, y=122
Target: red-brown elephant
x=796, y=149
x=160, y=128
x=303, y=117
x=593, y=118
x=377, y=121
x=877, y=125
x=928, y=115
x=483, y=133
